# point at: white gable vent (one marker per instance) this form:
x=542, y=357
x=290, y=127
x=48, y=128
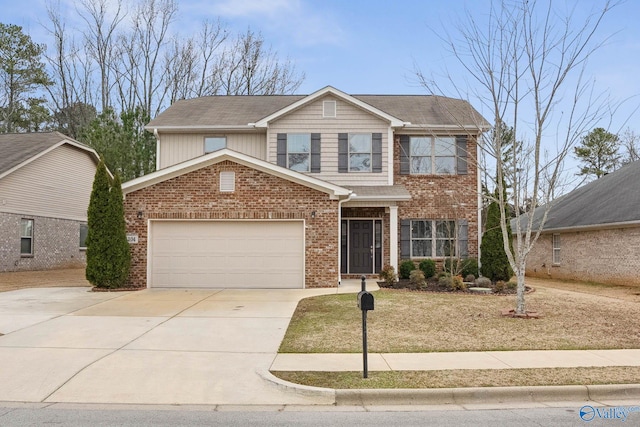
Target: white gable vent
x=328, y=108
x=227, y=182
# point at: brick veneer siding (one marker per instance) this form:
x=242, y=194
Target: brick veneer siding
x=257, y=195
x=55, y=244
x=440, y=196
x=606, y=256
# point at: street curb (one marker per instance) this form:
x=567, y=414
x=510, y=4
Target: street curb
x=479, y=395
x=327, y=394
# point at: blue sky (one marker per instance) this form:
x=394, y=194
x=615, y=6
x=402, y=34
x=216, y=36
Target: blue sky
x=365, y=47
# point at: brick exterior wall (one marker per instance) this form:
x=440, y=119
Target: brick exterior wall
x=606, y=256
x=55, y=244
x=257, y=195
x=440, y=196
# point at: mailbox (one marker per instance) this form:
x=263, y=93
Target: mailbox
x=365, y=301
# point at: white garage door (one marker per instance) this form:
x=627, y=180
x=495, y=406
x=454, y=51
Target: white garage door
x=226, y=254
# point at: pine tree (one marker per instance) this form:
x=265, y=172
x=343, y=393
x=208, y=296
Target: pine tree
x=493, y=258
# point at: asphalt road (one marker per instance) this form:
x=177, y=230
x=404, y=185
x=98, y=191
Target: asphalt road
x=79, y=415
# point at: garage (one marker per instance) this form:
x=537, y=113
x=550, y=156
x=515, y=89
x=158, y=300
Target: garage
x=226, y=254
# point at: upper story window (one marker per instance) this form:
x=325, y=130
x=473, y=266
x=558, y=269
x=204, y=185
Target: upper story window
x=26, y=237
x=214, y=143
x=360, y=152
x=427, y=155
x=299, y=151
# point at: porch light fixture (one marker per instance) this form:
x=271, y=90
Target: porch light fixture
x=313, y=214
x=140, y=214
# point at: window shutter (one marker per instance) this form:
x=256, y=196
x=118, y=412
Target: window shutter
x=461, y=152
x=315, y=152
x=405, y=239
x=343, y=152
x=405, y=165
x=376, y=152
x=463, y=239
x=282, y=150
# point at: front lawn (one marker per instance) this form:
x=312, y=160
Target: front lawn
x=405, y=322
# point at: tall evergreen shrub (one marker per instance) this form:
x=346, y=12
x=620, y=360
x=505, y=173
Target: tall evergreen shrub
x=493, y=258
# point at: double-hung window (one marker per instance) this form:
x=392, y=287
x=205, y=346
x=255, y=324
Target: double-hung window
x=84, y=229
x=432, y=238
x=26, y=237
x=426, y=155
x=360, y=152
x=556, y=249
x=214, y=143
x=299, y=152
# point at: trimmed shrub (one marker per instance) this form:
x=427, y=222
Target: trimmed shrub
x=428, y=267
x=416, y=279
x=445, y=281
x=499, y=286
x=495, y=264
x=405, y=269
x=483, y=282
x=457, y=284
x=470, y=278
x=511, y=285
x=388, y=275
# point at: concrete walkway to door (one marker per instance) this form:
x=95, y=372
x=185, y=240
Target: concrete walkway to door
x=146, y=347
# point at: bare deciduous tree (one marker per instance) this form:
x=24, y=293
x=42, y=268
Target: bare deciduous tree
x=527, y=65
x=630, y=141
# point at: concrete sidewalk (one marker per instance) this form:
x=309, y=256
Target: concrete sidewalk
x=459, y=360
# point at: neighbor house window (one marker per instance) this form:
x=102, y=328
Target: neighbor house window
x=214, y=143
x=360, y=152
x=84, y=229
x=299, y=151
x=429, y=155
x=432, y=238
x=556, y=249
x=26, y=237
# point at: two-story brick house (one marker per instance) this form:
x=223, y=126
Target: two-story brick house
x=298, y=191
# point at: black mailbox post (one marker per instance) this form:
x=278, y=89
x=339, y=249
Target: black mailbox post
x=365, y=303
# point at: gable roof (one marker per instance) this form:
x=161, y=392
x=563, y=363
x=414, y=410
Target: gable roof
x=247, y=112
x=610, y=201
x=19, y=149
x=170, y=172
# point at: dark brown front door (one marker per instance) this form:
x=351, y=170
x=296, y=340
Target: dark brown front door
x=361, y=247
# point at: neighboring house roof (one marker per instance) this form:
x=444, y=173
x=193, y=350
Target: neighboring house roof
x=19, y=149
x=242, y=111
x=610, y=201
x=170, y=172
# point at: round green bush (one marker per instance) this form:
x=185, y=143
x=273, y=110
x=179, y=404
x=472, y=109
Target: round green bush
x=428, y=267
x=405, y=269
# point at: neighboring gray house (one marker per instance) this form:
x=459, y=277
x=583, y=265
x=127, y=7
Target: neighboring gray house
x=45, y=185
x=593, y=233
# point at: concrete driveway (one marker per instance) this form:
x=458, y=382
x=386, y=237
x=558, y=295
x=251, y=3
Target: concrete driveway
x=145, y=347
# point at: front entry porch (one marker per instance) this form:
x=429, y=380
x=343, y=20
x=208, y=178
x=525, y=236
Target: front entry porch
x=362, y=243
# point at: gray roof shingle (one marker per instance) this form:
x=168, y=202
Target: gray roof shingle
x=16, y=148
x=240, y=110
x=611, y=199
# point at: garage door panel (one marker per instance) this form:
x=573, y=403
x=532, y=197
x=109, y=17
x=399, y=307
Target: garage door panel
x=226, y=254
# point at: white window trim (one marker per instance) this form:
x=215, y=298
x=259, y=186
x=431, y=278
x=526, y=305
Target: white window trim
x=556, y=245
x=432, y=156
x=204, y=143
x=30, y=237
x=349, y=153
x=434, y=239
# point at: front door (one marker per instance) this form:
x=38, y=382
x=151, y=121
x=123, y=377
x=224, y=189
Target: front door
x=361, y=247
